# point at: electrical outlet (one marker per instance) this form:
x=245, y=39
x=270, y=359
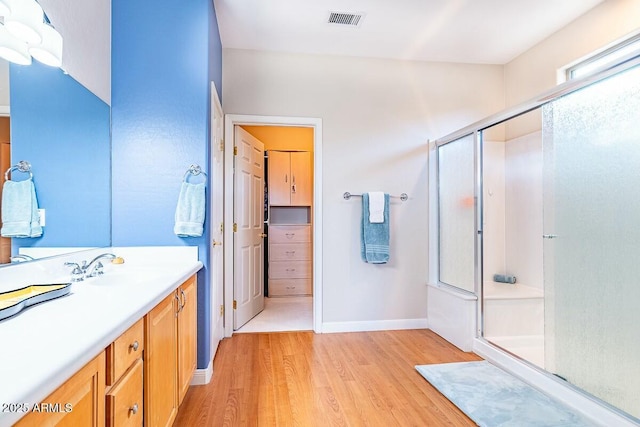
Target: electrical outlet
x=42, y=214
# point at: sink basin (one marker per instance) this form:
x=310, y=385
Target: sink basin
x=12, y=302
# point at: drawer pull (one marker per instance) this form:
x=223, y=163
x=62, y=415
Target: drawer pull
x=290, y=269
x=290, y=252
x=290, y=287
x=135, y=345
x=289, y=235
x=134, y=409
x=179, y=304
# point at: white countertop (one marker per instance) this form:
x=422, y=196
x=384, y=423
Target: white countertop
x=43, y=346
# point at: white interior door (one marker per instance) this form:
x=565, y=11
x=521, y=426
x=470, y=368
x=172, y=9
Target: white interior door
x=248, y=280
x=216, y=264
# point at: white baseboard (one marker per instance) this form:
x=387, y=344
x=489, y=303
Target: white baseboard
x=203, y=376
x=374, y=325
x=593, y=409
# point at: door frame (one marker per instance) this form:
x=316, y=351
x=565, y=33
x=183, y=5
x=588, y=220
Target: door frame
x=216, y=113
x=232, y=120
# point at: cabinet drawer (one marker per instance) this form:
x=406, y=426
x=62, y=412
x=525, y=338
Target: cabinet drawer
x=285, y=287
x=289, y=233
x=123, y=351
x=289, y=251
x=124, y=400
x=289, y=269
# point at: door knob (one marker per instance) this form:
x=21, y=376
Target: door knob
x=216, y=243
x=262, y=235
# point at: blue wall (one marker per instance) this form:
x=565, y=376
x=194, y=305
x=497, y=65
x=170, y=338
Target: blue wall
x=164, y=54
x=62, y=129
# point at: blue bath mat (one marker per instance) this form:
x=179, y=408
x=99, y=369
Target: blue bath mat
x=493, y=398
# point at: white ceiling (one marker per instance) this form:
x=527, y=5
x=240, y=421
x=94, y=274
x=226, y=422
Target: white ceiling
x=471, y=31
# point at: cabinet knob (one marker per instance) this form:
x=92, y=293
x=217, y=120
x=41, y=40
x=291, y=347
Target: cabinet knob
x=135, y=345
x=134, y=409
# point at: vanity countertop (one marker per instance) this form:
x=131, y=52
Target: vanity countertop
x=43, y=346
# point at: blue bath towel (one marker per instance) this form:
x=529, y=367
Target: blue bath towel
x=374, y=238
x=190, y=210
x=20, y=216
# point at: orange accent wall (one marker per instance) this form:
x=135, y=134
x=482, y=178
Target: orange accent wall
x=285, y=138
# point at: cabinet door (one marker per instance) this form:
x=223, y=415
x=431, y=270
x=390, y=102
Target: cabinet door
x=187, y=335
x=160, y=378
x=80, y=400
x=301, y=184
x=279, y=178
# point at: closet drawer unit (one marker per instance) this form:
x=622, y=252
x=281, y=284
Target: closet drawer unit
x=124, y=351
x=289, y=252
x=290, y=270
x=284, y=287
x=289, y=233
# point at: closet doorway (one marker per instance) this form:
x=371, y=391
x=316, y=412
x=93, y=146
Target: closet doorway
x=289, y=205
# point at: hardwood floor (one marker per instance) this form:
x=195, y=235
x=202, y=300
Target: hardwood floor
x=306, y=379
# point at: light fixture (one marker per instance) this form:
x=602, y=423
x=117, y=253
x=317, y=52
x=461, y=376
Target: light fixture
x=13, y=49
x=49, y=51
x=25, y=20
x=27, y=32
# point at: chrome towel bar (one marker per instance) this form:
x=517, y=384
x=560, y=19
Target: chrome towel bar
x=347, y=196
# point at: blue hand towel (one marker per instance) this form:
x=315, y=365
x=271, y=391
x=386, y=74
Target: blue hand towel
x=374, y=238
x=20, y=216
x=190, y=210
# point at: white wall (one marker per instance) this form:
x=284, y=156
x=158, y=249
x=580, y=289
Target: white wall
x=523, y=209
x=535, y=71
x=377, y=118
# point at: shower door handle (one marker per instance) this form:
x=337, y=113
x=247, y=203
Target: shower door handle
x=549, y=236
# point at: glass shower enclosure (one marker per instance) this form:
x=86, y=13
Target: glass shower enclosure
x=549, y=194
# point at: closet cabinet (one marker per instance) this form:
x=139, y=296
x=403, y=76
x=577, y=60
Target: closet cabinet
x=290, y=178
x=170, y=354
x=290, y=257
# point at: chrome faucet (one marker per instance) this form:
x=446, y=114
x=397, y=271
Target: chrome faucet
x=77, y=275
x=21, y=258
x=97, y=265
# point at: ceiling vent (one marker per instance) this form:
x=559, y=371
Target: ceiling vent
x=345, y=18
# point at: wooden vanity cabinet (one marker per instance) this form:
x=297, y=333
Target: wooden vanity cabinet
x=124, y=393
x=187, y=336
x=170, y=354
x=140, y=379
x=77, y=402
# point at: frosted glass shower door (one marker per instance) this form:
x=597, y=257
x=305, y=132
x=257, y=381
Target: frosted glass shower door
x=591, y=143
x=456, y=216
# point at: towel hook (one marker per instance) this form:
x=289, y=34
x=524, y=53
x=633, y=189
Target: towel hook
x=21, y=166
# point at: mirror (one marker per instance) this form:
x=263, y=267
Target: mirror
x=63, y=130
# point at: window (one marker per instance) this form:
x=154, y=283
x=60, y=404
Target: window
x=609, y=57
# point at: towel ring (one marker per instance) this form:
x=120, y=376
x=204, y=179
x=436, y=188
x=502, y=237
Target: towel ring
x=21, y=166
x=193, y=170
